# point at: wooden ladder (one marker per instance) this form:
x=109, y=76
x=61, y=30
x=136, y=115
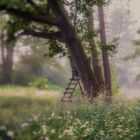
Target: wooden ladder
x=74, y=82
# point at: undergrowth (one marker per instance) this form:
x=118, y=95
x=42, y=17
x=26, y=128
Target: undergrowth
x=115, y=120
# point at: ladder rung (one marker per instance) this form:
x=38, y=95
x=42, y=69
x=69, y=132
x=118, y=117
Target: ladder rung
x=65, y=93
x=72, y=84
x=67, y=96
x=70, y=88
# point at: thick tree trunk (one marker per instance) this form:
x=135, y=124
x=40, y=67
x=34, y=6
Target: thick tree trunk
x=8, y=65
x=95, y=62
x=76, y=49
x=105, y=58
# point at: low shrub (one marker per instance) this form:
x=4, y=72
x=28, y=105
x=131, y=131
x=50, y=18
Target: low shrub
x=21, y=78
x=30, y=80
x=39, y=82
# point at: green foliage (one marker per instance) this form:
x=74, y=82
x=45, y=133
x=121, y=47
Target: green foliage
x=21, y=4
x=16, y=24
x=56, y=49
x=96, y=2
x=40, y=83
x=30, y=80
x=111, y=47
x=20, y=78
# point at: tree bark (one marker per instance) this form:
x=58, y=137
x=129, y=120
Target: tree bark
x=2, y=45
x=76, y=49
x=106, y=65
x=8, y=65
x=7, y=60
x=7, y=51
x=95, y=62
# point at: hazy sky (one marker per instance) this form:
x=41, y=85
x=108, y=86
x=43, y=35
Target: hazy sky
x=135, y=6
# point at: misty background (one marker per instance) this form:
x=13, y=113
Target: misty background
x=123, y=21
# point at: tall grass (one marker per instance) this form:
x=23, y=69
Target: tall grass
x=103, y=121
x=31, y=117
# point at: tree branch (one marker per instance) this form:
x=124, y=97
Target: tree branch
x=31, y=2
x=29, y=16
x=46, y=35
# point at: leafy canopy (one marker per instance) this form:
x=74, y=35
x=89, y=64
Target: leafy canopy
x=37, y=18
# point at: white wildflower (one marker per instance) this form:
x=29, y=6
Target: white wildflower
x=10, y=134
x=49, y=118
x=84, y=125
x=68, y=131
x=88, y=130
x=59, y=117
x=44, y=129
x=52, y=131
x=23, y=125
x=35, y=117
x=68, y=112
x=101, y=132
x=60, y=136
x=53, y=114
x=46, y=138
x=87, y=122
x=78, y=121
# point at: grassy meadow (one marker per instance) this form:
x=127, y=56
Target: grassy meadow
x=27, y=113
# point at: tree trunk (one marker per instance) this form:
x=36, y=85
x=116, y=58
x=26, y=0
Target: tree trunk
x=2, y=45
x=107, y=73
x=8, y=65
x=76, y=49
x=95, y=62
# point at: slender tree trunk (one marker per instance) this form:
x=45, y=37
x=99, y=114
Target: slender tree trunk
x=8, y=65
x=7, y=50
x=7, y=60
x=2, y=45
x=76, y=49
x=107, y=73
x=95, y=58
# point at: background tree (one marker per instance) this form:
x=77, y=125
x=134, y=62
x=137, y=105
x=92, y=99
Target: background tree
x=7, y=49
x=106, y=65
x=40, y=61
x=95, y=60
